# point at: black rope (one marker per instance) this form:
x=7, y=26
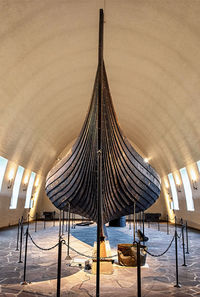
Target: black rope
x=87, y=256
x=64, y=242
x=43, y=249
x=153, y=255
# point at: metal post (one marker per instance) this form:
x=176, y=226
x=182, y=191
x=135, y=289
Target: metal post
x=143, y=222
x=136, y=218
x=28, y=220
x=177, y=285
x=149, y=222
x=187, y=243
x=36, y=222
x=175, y=224
x=99, y=150
x=17, y=247
x=158, y=224
x=21, y=239
x=54, y=218
x=134, y=224
x=63, y=222
x=138, y=271
x=140, y=220
x=59, y=266
x=167, y=224
x=25, y=258
x=129, y=220
x=66, y=221
x=68, y=235
x=59, y=229
x=74, y=222
x=183, y=244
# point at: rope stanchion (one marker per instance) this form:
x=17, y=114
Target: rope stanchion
x=25, y=257
x=66, y=226
x=21, y=238
x=59, y=265
x=187, y=243
x=134, y=224
x=63, y=222
x=175, y=225
x=175, y=237
x=177, y=285
x=143, y=222
x=17, y=247
x=138, y=271
x=183, y=245
x=68, y=235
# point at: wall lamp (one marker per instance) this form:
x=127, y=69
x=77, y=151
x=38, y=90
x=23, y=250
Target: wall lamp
x=35, y=186
x=25, y=185
x=194, y=179
x=10, y=181
x=194, y=184
x=178, y=183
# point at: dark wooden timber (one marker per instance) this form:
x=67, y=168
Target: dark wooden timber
x=124, y=179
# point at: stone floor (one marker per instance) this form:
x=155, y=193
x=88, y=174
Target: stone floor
x=158, y=276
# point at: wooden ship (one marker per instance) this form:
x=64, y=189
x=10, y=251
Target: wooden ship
x=102, y=177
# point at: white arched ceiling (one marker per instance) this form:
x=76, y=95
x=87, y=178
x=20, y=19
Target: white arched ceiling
x=48, y=61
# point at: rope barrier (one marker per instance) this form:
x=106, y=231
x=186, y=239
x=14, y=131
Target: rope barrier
x=64, y=242
x=87, y=256
x=43, y=249
x=102, y=258
x=153, y=255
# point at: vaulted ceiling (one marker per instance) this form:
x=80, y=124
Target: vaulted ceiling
x=48, y=61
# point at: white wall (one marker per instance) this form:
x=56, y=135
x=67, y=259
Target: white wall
x=9, y=216
x=192, y=217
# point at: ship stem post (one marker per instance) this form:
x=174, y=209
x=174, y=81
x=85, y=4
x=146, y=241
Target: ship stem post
x=99, y=151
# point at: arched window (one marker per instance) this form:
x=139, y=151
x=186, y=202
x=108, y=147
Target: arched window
x=187, y=189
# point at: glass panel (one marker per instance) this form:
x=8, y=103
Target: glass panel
x=174, y=191
x=15, y=192
x=29, y=190
x=3, y=165
x=187, y=189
